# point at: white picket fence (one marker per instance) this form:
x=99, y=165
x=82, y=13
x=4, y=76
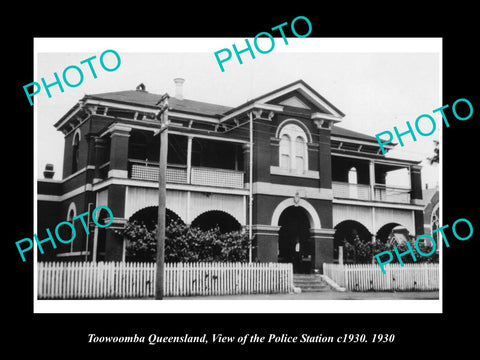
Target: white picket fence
x=369, y=277
x=92, y=280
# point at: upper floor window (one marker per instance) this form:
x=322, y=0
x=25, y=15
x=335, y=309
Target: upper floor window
x=75, y=151
x=293, y=150
x=300, y=154
x=285, y=152
x=352, y=176
x=66, y=232
x=353, y=181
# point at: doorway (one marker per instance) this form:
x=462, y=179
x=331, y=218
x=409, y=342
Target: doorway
x=294, y=244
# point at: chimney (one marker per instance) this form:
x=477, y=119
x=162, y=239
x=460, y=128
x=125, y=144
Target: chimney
x=48, y=172
x=179, y=88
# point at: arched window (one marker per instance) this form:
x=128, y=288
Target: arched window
x=352, y=183
x=293, y=150
x=75, y=151
x=67, y=231
x=352, y=176
x=300, y=147
x=285, y=162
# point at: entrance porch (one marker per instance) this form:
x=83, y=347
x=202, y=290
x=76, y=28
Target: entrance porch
x=294, y=236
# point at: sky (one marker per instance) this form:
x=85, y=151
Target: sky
x=376, y=83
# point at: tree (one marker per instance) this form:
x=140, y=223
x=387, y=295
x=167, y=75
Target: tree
x=185, y=244
x=436, y=154
x=363, y=252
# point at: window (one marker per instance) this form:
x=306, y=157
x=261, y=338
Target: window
x=68, y=235
x=352, y=176
x=285, y=152
x=300, y=147
x=352, y=183
x=66, y=231
x=75, y=151
x=293, y=150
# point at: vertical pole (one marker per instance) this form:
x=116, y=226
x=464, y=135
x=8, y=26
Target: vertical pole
x=372, y=197
x=409, y=169
x=372, y=179
x=374, y=226
x=189, y=159
x=250, y=194
x=189, y=176
x=236, y=157
x=162, y=200
x=95, y=244
x=89, y=206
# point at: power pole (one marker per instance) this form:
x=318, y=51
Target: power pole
x=250, y=192
x=162, y=196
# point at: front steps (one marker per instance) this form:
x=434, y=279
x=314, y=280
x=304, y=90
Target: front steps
x=310, y=283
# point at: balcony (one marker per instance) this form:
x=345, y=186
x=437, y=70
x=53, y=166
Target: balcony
x=363, y=192
x=178, y=174
x=351, y=191
x=392, y=194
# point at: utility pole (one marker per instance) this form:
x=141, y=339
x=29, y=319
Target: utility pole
x=250, y=193
x=162, y=195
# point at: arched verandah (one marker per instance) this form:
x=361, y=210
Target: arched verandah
x=349, y=231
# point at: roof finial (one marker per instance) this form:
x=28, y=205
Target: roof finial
x=140, y=87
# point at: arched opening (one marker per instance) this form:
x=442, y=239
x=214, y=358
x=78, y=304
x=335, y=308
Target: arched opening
x=352, y=176
x=294, y=243
x=293, y=150
x=65, y=232
x=149, y=217
x=211, y=219
x=349, y=231
x=393, y=233
x=352, y=183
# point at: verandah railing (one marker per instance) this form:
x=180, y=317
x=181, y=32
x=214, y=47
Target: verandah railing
x=364, y=192
x=369, y=277
x=92, y=280
x=143, y=170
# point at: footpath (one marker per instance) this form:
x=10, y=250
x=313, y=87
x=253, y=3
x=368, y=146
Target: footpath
x=323, y=295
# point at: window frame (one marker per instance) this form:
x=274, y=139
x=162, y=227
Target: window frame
x=293, y=131
x=72, y=209
x=76, y=150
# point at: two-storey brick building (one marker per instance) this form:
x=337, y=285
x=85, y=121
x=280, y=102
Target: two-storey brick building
x=313, y=183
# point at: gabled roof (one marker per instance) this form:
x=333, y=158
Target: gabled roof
x=299, y=85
